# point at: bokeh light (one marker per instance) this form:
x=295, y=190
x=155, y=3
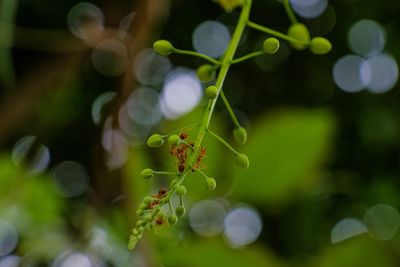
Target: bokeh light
x=8, y=238
x=10, y=261
x=242, y=226
x=352, y=73
x=72, y=259
x=143, y=106
x=34, y=156
x=347, y=228
x=70, y=178
x=211, y=38
x=309, y=8
x=182, y=92
x=110, y=57
x=384, y=73
x=115, y=144
x=382, y=221
x=124, y=25
x=150, y=68
x=98, y=105
x=86, y=21
x=366, y=38
x=206, y=218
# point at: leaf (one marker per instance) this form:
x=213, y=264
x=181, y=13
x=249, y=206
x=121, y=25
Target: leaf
x=286, y=152
x=214, y=252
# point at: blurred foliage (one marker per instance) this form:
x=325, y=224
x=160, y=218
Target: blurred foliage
x=318, y=154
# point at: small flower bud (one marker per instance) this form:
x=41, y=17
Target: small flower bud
x=173, y=140
x=206, y=73
x=139, y=212
x=163, y=47
x=156, y=140
x=320, y=46
x=300, y=32
x=212, y=92
x=240, y=135
x=180, y=211
x=211, y=183
x=148, y=218
x=147, y=173
x=172, y=219
x=271, y=45
x=181, y=190
x=147, y=200
x=242, y=160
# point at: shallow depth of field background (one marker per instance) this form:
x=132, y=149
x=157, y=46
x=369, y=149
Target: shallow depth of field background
x=81, y=90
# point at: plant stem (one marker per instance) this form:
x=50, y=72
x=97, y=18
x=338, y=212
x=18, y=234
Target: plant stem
x=229, y=108
x=195, y=54
x=165, y=173
x=222, y=141
x=289, y=12
x=251, y=55
x=275, y=33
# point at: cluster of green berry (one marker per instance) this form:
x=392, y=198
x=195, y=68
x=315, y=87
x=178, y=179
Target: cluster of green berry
x=154, y=209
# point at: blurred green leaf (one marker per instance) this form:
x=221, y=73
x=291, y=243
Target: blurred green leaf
x=286, y=151
x=361, y=251
x=214, y=252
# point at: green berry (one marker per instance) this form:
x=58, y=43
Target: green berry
x=212, y=92
x=206, y=73
x=147, y=173
x=180, y=211
x=240, y=135
x=172, y=219
x=173, y=140
x=156, y=140
x=320, y=46
x=181, y=190
x=211, y=183
x=242, y=160
x=300, y=32
x=139, y=212
x=148, y=218
x=139, y=223
x=271, y=45
x=163, y=47
x=147, y=200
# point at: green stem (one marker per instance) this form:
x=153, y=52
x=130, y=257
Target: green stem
x=165, y=173
x=222, y=141
x=230, y=110
x=251, y=55
x=275, y=33
x=289, y=12
x=170, y=206
x=195, y=54
x=202, y=173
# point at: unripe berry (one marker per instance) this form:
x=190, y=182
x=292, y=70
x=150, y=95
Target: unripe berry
x=271, y=45
x=242, y=160
x=181, y=190
x=211, y=183
x=156, y=140
x=148, y=218
x=147, y=200
x=180, y=211
x=206, y=73
x=320, y=46
x=300, y=32
x=139, y=212
x=240, y=135
x=173, y=140
x=212, y=92
x=172, y=219
x=163, y=47
x=147, y=173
